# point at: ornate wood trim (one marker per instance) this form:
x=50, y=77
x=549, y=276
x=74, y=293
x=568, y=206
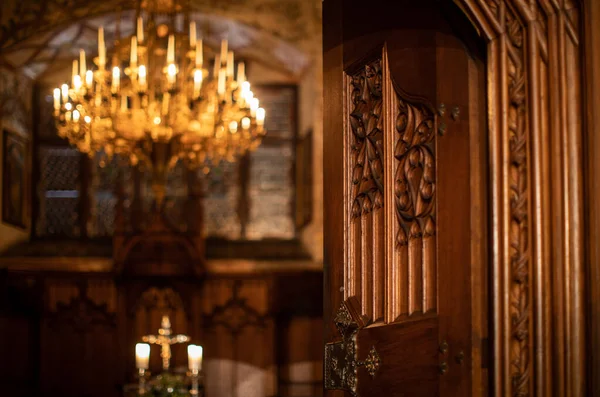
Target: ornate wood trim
x=534, y=104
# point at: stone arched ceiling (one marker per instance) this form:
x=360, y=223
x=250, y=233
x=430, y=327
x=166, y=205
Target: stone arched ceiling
x=41, y=37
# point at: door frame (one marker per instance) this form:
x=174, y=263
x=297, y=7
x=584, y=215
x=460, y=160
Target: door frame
x=539, y=54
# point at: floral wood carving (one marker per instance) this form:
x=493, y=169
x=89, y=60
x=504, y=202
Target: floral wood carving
x=414, y=199
x=235, y=314
x=414, y=152
x=82, y=314
x=367, y=139
x=519, y=217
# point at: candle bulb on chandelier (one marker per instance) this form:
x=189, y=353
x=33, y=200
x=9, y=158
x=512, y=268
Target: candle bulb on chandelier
x=134, y=55
x=171, y=50
x=171, y=73
x=82, y=68
x=140, y=30
x=101, y=49
x=65, y=92
x=233, y=126
x=77, y=83
x=193, y=34
x=241, y=73
x=223, y=51
x=253, y=106
x=260, y=117
x=197, y=82
x=245, y=123
x=221, y=83
x=142, y=355
x=142, y=77
x=199, y=58
x=56, y=98
x=116, y=79
x=230, y=64
x=217, y=67
x=75, y=72
x=89, y=79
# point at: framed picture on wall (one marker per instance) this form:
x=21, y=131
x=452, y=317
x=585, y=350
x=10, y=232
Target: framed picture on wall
x=14, y=179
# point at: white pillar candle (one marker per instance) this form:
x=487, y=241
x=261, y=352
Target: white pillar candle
x=194, y=358
x=233, y=126
x=221, y=83
x=142, y=355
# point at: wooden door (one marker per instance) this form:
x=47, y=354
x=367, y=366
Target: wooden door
x=405, y=205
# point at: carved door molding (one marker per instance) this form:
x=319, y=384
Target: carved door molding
x=535, y=131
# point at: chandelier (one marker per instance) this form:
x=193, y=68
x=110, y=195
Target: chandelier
x=155, y=100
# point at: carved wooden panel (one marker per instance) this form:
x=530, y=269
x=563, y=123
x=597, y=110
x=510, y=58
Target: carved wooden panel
x=412, y=277
x=365, y=175
x=379, y=113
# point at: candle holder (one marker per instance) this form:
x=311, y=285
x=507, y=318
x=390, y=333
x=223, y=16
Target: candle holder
x=142, y=381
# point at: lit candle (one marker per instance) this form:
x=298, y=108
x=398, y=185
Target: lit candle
x=193, y=34
x=195, y=358
x=223, y=50
x=116, y=79
x=75, y=72
x=230, y=64
x=76, y=115
x=56, y=98
x=140, y=30
x=171, y=50
x=142, y=355
x=134, y=55
x=199, y=59
x=82, y=66
x=89, y=79
x=241, y=75
x=101, y=48
x=65, y=92
x=142, y=76
x=253, y=106
x=245, y=123
x=197, y=82
x=260, y=117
